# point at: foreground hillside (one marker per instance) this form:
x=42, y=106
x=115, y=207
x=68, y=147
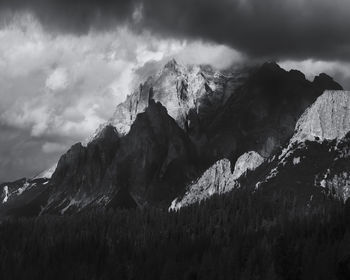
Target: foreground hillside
x=240, y=235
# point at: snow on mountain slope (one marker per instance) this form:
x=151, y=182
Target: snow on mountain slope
x=179, y=89
x=309, y=170
x=6, y=194
x=337, y=176
x=12, y=190
x=17, y=188
x=218, y=179
x=318, y=154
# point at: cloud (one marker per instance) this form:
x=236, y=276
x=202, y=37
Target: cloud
x=74, y=16
x=277, y=29
x=56, y=89
x=53, y=147
x=57, y=80
x=22, y=155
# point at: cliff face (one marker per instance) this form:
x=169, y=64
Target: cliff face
x=317, y=156
x=218, y=179
x=328, y=118
x=155, y=158
x=316, y=161
x=179, y=89
x=147, y=166
x=262, y=113
x=225, y=113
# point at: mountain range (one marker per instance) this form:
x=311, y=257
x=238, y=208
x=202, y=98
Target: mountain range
x=189, y=132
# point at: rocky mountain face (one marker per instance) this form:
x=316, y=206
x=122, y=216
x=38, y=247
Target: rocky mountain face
x=262, y=113
x=24, y=197
x=317, y=158
x=147, y=166
x=218, y=179
x=81, y=170
x=183, y=125
x=311, y=169
x=315, y=161
x=328, y=118
x=180, y=89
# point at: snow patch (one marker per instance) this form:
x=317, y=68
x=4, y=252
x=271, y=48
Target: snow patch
x=25, y=186
x=78, y=202
x=6, y=194
x=296, y=160
x=72, y=202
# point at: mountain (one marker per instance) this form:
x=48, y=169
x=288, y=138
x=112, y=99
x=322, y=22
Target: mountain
x=173, y=128
x=262, y=113
x=146, y=166
x=315, y=160
x=180, y=89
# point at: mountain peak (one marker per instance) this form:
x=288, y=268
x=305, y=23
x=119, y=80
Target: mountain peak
x=325, y=81
x=171, y=64
x=271, y=65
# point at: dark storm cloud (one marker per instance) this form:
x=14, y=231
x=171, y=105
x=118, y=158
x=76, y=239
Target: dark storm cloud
x=274, y=29
x=74, y=16
x=21, y=155
x=269, y=28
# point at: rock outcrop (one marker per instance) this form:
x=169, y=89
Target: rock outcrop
x=328, y=118
x=218, y=179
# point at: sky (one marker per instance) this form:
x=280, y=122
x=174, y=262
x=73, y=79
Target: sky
x=65, y=65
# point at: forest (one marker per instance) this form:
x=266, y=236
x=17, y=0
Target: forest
x=241, y=235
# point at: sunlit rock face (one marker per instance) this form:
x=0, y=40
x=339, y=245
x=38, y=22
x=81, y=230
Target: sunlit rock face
x=317, y=158
x=247, y=161
x=328, y=118
x=218, y=179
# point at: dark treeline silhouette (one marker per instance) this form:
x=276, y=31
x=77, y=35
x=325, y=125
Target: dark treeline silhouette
x=241, y=235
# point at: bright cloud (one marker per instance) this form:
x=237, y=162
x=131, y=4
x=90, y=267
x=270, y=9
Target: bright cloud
x=57, y=80
x=53, y=147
